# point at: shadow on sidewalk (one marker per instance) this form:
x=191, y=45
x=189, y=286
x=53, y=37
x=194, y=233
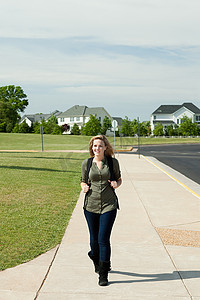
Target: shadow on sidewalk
x=176, y=275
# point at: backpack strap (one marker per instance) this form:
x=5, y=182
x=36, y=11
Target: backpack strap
x=112, y=175
x=110, y=165
x=89, y=164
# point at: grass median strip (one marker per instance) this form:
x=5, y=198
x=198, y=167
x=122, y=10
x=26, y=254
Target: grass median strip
x=38, y=194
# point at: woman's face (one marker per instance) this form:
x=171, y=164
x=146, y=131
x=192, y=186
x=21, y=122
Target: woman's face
x=98, y=148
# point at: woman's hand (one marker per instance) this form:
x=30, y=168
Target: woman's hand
x=85, y=187
x=113, y=184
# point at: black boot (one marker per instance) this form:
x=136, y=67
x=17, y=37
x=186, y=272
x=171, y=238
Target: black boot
x=104, y=267
x=95, y=260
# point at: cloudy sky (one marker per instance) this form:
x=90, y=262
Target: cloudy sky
x=129, y=56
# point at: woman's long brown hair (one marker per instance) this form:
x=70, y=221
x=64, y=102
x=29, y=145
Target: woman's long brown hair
x=109, y=149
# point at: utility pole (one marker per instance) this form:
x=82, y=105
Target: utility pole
x=41, y=131
x=138, y=137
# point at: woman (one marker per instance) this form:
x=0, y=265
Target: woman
x=101, y=203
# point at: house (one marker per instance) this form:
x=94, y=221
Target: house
x=172, y=114
x=119, y=121
x=80, y=115
x=30, y=119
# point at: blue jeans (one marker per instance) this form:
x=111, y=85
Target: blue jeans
x=100, y=226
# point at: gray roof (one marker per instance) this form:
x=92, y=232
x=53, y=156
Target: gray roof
x=93, y=110
x=192, y=107
x=37, y=117
x=74, y=111
x=167, y=109
x=170, y=109
x=78, y=110
x=56, y=112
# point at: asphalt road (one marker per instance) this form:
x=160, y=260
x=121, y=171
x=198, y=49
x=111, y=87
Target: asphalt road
x=184, y=158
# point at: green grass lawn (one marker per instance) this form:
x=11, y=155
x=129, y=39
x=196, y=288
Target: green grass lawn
x=39, y=190
x=156, y=140
x=20, y=141
x=38, y=194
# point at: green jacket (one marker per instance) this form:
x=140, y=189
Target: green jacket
x=101, y=198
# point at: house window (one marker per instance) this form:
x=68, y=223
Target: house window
x=78, y=119
x=99, y=119
x=62, y=119
x=177, y=121
x=154, y=117
x=71, y=119
x=197, y=118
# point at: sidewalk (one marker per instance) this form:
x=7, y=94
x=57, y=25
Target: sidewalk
x=155, y=246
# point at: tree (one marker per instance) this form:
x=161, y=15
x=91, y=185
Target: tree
x=187, y=127
x=126, y=128
x=92, y=127
x=36, y=127
x=176, y=130
x=49, y=127
x=158, y=131
x=130, y=128
x=134, y=128
x=57, y=129
x=147, y=126
x=106, y=125
x=75, y=130
x=169, y=130
x=144, y=128
x=13, y=100
x=8, y=117
x=22, y=128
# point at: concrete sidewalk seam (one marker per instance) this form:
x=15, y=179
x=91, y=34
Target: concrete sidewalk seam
x=179, y=273
x=47, y=273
